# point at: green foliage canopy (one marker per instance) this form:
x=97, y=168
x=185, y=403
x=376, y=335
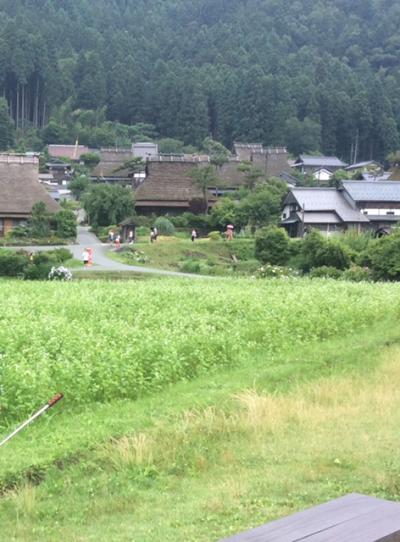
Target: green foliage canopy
x=107, y=204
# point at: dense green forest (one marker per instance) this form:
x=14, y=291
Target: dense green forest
x=315, y=75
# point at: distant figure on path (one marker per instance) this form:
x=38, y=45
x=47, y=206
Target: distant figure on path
x=111, y=236
x=152, y=235
x=131, y=237
x=118, y=242
x=90, y=259
x=155, y=233
x=194, y=235
x=85, y=257
x=229, y=232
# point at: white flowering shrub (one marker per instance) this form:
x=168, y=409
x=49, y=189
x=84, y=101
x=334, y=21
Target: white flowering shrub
x=276, y=272
x=60, y=273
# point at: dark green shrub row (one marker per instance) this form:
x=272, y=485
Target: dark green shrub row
x=31, y=266
x=359, y=256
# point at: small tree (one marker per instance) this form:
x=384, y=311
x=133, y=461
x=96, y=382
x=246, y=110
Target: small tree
x=204, y=177
x=66, y=224
x=39, y=222
x=219, y=155
x=225, y=212
x=90, y=159
x=134, y=165
x=252, y=174
x=107, y=204
x=264, y=204
x=79, y=185
x=272, y=245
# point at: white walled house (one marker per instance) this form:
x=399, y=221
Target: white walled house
x=379, y=201
x=322, y=175
x=361, y=205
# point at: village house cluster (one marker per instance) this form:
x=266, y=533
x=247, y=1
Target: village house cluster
x=164, y=185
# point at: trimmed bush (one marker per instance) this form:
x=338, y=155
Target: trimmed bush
x=383, y=258
x=214, y=235
x=164, y=226
x=37, y=271
x=13, y=263
x=61, y=255
x=190, y=266
x=357, y=274
x=318, y=251
x=272, y=245
x=325, y=272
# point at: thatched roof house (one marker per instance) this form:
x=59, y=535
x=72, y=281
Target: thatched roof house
x=112, y=160
x=168, y=188
x=20, y=189
x=71, y=152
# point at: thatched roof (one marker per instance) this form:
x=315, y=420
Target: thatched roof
x=231, y=176
x=110, y=161
x=20, y=188
x=168, y=184
x=72, y=152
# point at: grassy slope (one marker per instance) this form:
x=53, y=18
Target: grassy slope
x=213, y=256
x=217, y=455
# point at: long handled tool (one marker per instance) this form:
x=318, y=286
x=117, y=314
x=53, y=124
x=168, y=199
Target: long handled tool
x=48, y=405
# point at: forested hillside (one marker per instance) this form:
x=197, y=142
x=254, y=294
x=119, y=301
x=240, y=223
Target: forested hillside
x=311, y=74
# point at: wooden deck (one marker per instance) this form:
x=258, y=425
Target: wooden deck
x=353, y=518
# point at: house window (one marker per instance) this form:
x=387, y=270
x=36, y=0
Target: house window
x=390, y=212
x=283, y=215
x=365, y=212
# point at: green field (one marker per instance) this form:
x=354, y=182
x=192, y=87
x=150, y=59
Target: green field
x=194, y=410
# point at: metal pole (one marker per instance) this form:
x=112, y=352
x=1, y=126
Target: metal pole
x=48, y=405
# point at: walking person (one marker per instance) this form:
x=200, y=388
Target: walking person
x=155, y=233
x=90, y=259
x=152, y=235
x=85, y=258
x=229, y=232
x=194, y=235
x=111, y=236
x=131, y=237
x=118, y=242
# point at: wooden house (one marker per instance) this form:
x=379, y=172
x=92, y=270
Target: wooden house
x=20, y=189
x=325, y=209
x=378, y=201
x=308, y=164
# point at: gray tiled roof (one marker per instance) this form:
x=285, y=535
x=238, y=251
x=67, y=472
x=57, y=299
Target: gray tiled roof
x=321, y=161
x=327, y=199
x=373, y=191
x=360, y=165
